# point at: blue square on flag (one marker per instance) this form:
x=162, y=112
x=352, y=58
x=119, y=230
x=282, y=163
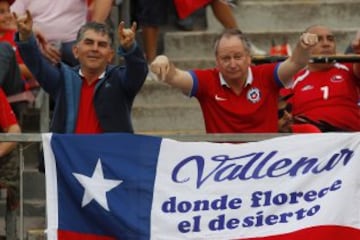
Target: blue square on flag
x=87, y=186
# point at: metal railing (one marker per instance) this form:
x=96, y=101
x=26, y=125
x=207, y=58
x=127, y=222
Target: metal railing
x=223, y=137
x=314, y=59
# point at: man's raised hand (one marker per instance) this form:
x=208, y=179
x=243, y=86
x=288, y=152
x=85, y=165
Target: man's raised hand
x=308, y=40
x=24, y=25
x=161, y=67
x=126, y=35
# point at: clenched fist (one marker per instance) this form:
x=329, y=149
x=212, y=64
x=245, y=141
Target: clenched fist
x=161, y=66
x=308, y=40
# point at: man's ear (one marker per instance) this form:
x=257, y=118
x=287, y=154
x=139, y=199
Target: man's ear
x=217, y=62
x=75, y=51
x=111, y=56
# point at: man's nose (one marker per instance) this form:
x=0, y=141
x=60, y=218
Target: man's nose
x=95, y=46
x=232, y=62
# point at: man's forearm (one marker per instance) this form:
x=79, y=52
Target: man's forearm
x=299, y=59
x=44, y=72
x=101, y=10
x=136, y=67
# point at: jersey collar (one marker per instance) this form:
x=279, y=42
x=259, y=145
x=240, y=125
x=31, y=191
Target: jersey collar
x=100, y=77
x=249, y=79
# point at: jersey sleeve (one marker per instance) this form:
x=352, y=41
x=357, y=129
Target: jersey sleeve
x=203, y=81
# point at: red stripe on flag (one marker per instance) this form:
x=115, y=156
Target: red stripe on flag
x=69, y=235
x=317, y=233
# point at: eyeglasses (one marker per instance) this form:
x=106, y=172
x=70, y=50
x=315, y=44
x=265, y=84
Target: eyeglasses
x=281, y=112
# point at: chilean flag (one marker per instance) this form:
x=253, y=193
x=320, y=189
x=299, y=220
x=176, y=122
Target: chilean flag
x=136, y=187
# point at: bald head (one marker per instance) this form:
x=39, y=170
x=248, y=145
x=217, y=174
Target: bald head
x=327, y=40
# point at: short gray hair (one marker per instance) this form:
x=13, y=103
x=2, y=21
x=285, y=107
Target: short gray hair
x=229, y=33
x=98, y=28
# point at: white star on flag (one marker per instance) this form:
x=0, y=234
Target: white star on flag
x=96, y=186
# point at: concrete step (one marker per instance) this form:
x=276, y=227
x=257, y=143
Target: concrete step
x=33, y=191
x=31, y=208
x=156, y=92
x=193, y=63
x=270, y=15
x=33, y=228
x=264, y=21
x=171, y=118
x=199, y=45
x=35, y=234
x=31, y=153
x=34, y=184
x=161, y=108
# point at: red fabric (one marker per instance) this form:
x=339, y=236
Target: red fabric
x=280, y=50
x=330, y=95
x=285, y=92
x=69, y=235
x=186, y=7
x=317, y=233
x=253, y=111
x=87, y=121
x=7, y=116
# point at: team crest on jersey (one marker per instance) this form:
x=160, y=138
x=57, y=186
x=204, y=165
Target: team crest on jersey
x=253, y=95
x=337, y=78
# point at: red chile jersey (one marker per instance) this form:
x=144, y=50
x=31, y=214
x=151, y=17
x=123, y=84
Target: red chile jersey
x=330, y=96
x=7, y=116
x=253, y=111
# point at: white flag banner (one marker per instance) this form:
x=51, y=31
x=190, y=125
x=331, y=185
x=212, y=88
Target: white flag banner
x=261, y=189
x=128, y=186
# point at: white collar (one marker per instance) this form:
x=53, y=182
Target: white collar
x=249, y=79
x=101, y=75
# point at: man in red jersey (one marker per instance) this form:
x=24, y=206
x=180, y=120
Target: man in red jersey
x=237, y=97
x=327, y=94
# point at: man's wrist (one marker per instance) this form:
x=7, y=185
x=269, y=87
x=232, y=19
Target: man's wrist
x=24, y=37
x=126, y=51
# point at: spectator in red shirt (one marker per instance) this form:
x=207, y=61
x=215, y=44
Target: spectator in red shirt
x=237, y=97
x=327, y=94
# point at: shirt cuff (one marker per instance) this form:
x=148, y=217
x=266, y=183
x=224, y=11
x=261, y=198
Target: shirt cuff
x=18, y=41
